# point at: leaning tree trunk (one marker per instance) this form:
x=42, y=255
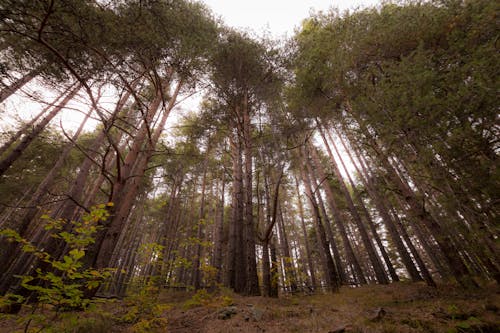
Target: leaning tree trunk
x=105, y=244
x=26, y=128
x=331, y=238
x=330, y=272
x=36, y=200
x=456, y=264
x=363, y=208
x=8, y=259
x=16, y=85
x=340, y=222
x=374, y=259
x=8, y=160
x=366, y=178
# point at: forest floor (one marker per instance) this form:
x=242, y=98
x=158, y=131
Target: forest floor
x=399, y=307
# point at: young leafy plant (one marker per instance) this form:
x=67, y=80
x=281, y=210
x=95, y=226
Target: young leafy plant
x=61, y=282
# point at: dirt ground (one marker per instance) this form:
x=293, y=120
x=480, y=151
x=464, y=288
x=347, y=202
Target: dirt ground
x=394, y=308
x=398, y=308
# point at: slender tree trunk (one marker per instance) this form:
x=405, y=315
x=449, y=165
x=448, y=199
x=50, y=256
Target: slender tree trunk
x=10, y=158
x=201, y=222
x=351, y=256
x=423, y=269
x=386, y=218
x=36, y=199
x=27, y=127
x=18, y=84
x=331, y=238
x=287, y=258
x=374, y=259
x=363, y=208
x=330, y=271
x=306, y=238
x=252, y=281
x=219, y=231
x=456, y=264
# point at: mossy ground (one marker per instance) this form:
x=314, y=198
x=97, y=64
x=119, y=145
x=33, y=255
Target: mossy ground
x=406, y=308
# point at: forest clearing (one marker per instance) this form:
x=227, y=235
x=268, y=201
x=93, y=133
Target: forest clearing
x=161, y=171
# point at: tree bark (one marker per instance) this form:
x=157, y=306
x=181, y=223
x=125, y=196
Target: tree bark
x=36, y=199
x=310, y=264
x=361, y=205
x=351, y=256
x=10, y=158
x=18, y=84
x=105, y=244
x=252, y=281
x=330, y=272
x=374, y=259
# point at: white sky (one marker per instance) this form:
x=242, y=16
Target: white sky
x=279, y=17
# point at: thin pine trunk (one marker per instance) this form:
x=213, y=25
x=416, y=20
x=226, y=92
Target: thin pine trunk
x=310, y=264
x=361, y=205
x=26, y=128
x=374, y=258
x=18, y=84
x=252, y=281
x=330, y=272
x=291, y=277
x=339, y=220
x=37, y=197
x=201, y=222
x=10, y=158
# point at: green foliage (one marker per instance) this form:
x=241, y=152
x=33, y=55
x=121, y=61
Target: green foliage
x=89, y=321
x=203, y=298
x=144, y=312
x=61, y=283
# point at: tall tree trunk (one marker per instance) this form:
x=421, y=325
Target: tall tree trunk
x=8, y=160
x=235, y=268
x=363, y=208
x=252, y=281
x=339, y=220
x=37, y=197
x=423, y=268
x=331, y=237
x=456, y=264
x=125, y=199
x=201, y=223
x=8, y=256
x=366, y=178
x=374, y=259
x=287, y=258
x=18, y=84
x=219, y=231
x=330, y=272
x=26, y=128
x=306, y=238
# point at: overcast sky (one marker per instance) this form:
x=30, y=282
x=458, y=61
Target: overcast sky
x=276, y=16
